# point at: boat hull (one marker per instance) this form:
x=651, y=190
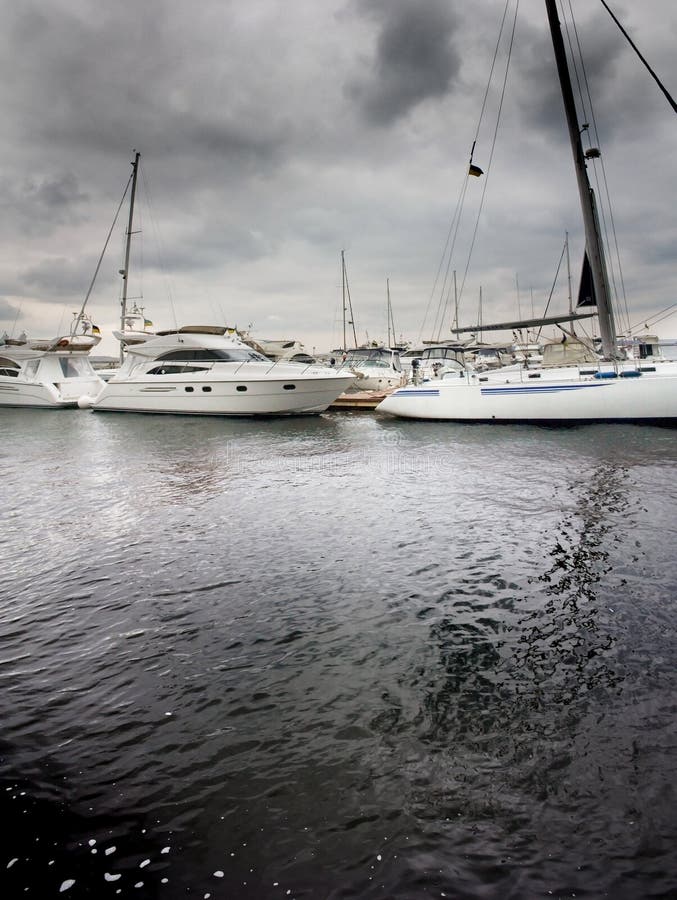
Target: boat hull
x=211, y=397
x=549, y=400
x=19, y=392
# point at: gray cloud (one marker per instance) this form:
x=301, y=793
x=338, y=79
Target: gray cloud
x=58, y=277
x=274, y=135
x=414, y=59
x=36, y=205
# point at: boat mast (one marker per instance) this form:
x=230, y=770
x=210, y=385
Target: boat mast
x=346, y=296
x=343, y=295
x=566, y=244
x=593, y=241
x=125, y=272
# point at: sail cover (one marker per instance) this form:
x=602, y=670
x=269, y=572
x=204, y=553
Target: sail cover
x=586, y=290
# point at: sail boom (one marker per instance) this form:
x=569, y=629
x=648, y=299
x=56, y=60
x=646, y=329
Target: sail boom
x=524, y=323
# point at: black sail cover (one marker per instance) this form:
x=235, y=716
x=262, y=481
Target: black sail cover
x=586, y=290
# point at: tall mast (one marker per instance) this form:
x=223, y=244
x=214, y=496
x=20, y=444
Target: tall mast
x=343, y=295
x=593, y=241
x=125, y=271
x=571, y=300
x=349, y=306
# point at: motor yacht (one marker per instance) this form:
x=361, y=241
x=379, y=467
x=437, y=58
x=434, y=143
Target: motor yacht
x=373, y=368
x=209, y=370
x=47, y=373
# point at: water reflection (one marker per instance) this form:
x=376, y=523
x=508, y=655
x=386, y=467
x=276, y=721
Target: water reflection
x=565, y=646
x=506, y=659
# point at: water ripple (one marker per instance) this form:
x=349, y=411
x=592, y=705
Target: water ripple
x=338, y=657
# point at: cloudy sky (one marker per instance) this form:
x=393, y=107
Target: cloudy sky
x=275, y=135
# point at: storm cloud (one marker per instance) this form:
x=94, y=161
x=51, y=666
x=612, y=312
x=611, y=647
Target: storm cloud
x=273, y=136
x=414, y=58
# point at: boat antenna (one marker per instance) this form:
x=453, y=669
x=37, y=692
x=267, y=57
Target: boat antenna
x=593, y=239
x=125, y=272
x=636, y=49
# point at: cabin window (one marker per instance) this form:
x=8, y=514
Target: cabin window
x=175, y=370
x=205, y=354
x=206, y=389
x=241, y=387
x=9, y=367
x=189, y=390
x=289, y=387
x=68, y=367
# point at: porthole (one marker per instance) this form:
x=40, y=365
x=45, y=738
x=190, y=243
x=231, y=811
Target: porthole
x=189, y=390
x=241, y=387
x=289, y=387
x=206, y=389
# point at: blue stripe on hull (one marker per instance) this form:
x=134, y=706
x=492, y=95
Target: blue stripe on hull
x=512, y=390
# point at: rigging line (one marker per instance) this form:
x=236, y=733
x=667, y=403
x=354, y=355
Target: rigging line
x=18, y=310
x=659, y=316
x=460, y=202
x=552, y=289
x=491, y=154
x=607, y=193
x=98, y=265
x=156, y=232
x=491, y=72
x=605, y=182
x=350, y=302
x=635, y=48
x=445, y=292
x=447, y=253
x=443, y=301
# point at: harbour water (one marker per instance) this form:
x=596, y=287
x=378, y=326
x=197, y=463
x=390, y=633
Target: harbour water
x=336, y=657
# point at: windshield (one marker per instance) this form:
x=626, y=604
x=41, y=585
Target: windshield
x=435, y=354
x=376, y=358
x=204, y=354
x=75, y=367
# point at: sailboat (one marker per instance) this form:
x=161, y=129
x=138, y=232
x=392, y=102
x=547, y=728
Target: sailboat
x=599, y=389
x=375, y=367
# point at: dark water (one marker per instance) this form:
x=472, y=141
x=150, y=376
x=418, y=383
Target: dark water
x=336, y=657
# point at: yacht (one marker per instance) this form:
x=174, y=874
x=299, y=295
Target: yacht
x=48, y=374
x=372, y=368
x=209, y=370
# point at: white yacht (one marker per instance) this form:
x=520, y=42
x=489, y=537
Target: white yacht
x=47, y=373
x=373, y=368
x=209, y=370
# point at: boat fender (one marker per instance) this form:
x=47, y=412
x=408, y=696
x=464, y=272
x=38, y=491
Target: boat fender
x=631, y=373
x=605, y=375
x=85, y=402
